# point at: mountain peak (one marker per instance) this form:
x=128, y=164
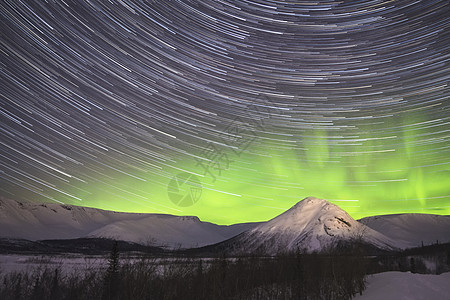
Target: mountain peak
x=310, y=201
x=312, y=224
x=307, y=213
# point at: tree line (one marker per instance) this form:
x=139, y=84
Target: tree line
x=286, y=276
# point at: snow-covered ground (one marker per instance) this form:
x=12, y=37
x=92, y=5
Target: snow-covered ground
x=75, y=263
x=407, y=286
x=385, y=286
x=67, y=263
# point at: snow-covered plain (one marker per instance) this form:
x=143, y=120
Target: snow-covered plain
x=10, y=263
x=385, y=286
x=80, y=264
x=406, y=286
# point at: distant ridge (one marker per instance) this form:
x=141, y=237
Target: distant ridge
x=412, y=230
x=35, y=221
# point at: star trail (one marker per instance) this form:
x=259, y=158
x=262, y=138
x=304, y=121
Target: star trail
x=229, y=110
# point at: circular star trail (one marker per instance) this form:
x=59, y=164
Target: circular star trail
x=104, y=103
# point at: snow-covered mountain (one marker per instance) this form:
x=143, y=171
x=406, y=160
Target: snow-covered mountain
x=412, y=229
x=310, y=225
x=32, y=221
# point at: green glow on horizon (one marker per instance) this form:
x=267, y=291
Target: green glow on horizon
x=377, y=172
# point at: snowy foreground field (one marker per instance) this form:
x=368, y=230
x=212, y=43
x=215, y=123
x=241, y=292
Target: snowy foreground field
x=386, y=286
x=406, y=285
x=74, y=263
x=18, y=263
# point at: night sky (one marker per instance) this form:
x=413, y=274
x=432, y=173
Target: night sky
x=229, y=110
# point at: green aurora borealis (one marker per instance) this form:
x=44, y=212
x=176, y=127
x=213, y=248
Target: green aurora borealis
x=104, y=103
x=399, y=169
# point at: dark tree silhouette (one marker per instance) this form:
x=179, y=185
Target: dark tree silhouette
x=111, y=288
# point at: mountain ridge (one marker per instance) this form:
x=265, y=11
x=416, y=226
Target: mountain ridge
x=44, y=221
x=413, y=229
x=310, y=225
